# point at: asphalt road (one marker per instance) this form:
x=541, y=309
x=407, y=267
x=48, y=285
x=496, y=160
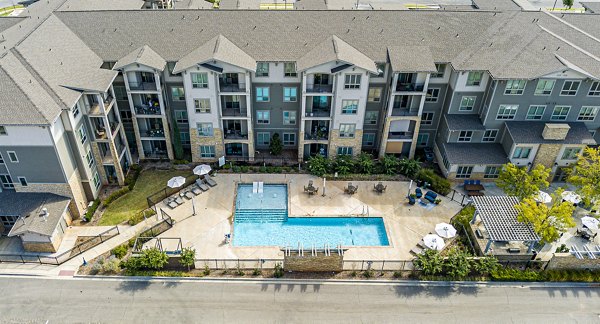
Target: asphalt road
x=100, y=301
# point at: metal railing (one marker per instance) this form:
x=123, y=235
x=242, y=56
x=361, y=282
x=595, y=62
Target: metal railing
x=242, y=264
x=458, y=197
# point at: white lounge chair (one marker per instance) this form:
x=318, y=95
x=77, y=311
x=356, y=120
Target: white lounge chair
x=210, y=181
x=201, y=185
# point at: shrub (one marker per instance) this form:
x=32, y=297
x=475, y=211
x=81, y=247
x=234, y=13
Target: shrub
x=111, y=265
x=510, y=274
x=464, y=217
x=120, y=251
x=133, y=176
x=245, y=169
x=115, y=195
x=262, y=169
x=562, y=249
x=180, y=162
x=318, y=165
x=343, y=164
x=397, y=274
x=409, y=167
x=485, y=265
x=206, y=271
x=90, y=212
x=152, y=259
x=139, y=217
x=188, y=257
x=275, y=146
x=278, y=272
x=236, y=169
x=368, y=273
x=364, y=163
x=438, y=184
x=430, y=262
x=457, y=264
x=389, y=164
x=256, y=272
x=239, y=272
x=353, y=273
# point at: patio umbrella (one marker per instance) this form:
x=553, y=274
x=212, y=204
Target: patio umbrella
x=571, y=197
x=543, y=197
x=445, y=230
x=590, y=222
x=176, y=182
x=202, y=169
x=433, y=242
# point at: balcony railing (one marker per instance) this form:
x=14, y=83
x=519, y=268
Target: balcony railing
x=153, y=133
x=318, y=113
x=156, y=154
x=316, y=136
x=404, y=112
x=147, y=110
x=400, y=135
x=235, y=112
x=235, y=134
x=94, y=108
x=232, y=87
x=319, y=88
x=412, y=87
x=143, y=86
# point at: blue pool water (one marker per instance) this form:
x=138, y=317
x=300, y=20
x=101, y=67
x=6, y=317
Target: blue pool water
x=262, y=220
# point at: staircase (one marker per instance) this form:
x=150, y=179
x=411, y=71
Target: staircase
x=260, y=215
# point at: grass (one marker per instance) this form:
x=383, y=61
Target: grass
x=8, y=10
x=134, y=201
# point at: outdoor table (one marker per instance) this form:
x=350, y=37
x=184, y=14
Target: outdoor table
x=571, y=197
x=474, y=187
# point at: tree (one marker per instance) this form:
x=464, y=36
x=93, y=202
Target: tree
x=457, y=264
x=343, y=164
x=547, y=222
x=430, y=262
x=275, y=146
x=365, y=163
x=188, y=257
x=390, y=164
x=154, y=259
x=485, y=265
x=585, y=175
x=568, y=3
x=516, y=181
x=318, y=165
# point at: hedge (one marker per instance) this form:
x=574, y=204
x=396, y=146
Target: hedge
x=438, y=184
x=114, y=196
x=90, y=212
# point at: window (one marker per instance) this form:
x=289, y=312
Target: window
x=344, y=150
x=262, y=69
x=427, y=118
x=594, y=89
x=491, y=172
x=289, y=139
x=181, y=116
x=347, y=130
x=82, y=134
x=289, y=69
x=204, y=129
x=1, y=159
x=432, y=95
x=262, y=94
x=423, y=139
x=349, y=107
x=12, y=156
x=588, y=113
x=570, y=88
x=371, y=117
x=177, y=93
x=3, y=130
x=125, y=115
x=474, y=78
x=6, y=181
x=515, y=87
x=96, y=180
x=289, y=118
x=560, y=112
x=374, y=95
x=467, y=103
x=290, y=94
x=368, y=139
x=263, y=138
x=571, y=153
x=202, y=106
x=535, y=112
x=544, y=87
x=507, y=112
x=464, y=172
x=207, y=151
x=89, y=157
x=23, y=181
x=184, y=137
x=465, y=136
x=263, y=117
x=352, y=81
x=490, y=135
x=199, y=80
x=441, y=68
x=232, y=101
x=521, y=152
x=76, y=111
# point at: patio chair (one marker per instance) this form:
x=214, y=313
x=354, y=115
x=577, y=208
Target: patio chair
x=209, y=180
x=201, y=185
x=477, y=182
x=418, y=193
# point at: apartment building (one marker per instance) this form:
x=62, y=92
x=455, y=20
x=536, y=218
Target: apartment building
x=85, y=94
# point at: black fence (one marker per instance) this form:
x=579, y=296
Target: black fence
x=243, y=264
x=157, y=229
x=65, y=256
x=264, y=161
x=458, y=197
x=162, y=194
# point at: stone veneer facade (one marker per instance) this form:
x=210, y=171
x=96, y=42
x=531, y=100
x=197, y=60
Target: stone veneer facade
x=337, y=141
x=216, y=140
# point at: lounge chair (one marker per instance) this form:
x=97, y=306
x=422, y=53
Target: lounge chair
x=172, y=204
x=196, y=191
x=210, y=181
x=418, y=193
x=189, y=195
x=179, y=201
x=201, y=185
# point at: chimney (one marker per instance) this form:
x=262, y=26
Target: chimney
x=555, y=132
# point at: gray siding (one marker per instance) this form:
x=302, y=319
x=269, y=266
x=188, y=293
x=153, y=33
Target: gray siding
x=39, y=164
x=276, y=106
x=455, y=103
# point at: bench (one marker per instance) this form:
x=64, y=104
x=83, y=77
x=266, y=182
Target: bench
x=514, y=250
x=478, y=234
x=431, y=196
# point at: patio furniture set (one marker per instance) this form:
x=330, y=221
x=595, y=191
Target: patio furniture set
x=311, y=189
x=474, y=188
x=589, y=228
x=203, y=183
x=430, y=196
x=435, y=240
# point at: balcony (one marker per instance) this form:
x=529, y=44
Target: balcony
x=141, y=81
x=410, y=87
x=319, y=106
x=151, y=127
x=93, y=106
x=99, y=127
x=235, y=129
x=155, y=149
x=235, y=112
x=316, y=131
x=319, y=83
x=230, y=82
x=147, y=110
x=405, y=112
x=400, y=135
x=146, y=104
x=405, y=106
x=319, y=88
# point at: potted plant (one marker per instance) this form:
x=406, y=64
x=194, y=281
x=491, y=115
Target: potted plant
x=412, y=199
x=437, y=201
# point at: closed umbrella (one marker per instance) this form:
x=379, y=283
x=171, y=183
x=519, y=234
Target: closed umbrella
x=590, y=222
x=571, y=197
x=202, y=169
x=176, y=182
x=445, y=230
x=543, y=197
x=433, y=242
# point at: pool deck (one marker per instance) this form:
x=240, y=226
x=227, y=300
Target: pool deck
x=405, y=224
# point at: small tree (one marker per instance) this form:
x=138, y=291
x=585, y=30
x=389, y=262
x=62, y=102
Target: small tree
x=154, y=258
x=516, y=181
x=409, y=167
x=547, y=222
x=188, y=257
x=365, y=163
x=430, y=262
x=318, y=165
x=568, y=3
x=457, y=264
x=275, y=146
x=390, y=164
x=585, y=175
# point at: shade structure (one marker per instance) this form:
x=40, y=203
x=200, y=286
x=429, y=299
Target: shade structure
x=175, y=182
x=543, y=197
x=571, y=197
x=202, y=169
x=590, y=222
x=434, y=242
x=445, y=230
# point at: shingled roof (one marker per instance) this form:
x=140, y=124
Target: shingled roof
x=411, y=59
x=143, y=55
x=334, y=49
x=28, y=207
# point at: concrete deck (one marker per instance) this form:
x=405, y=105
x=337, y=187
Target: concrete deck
x=405, y=224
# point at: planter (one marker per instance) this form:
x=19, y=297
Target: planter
x=411, y=200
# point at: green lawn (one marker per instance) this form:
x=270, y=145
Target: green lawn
x=133, y=202
x=8, y=10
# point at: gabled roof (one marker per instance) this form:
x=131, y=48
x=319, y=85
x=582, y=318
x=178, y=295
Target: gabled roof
x=218, y=48
x=143, y=55
x=411, y=59
x=28, y=207
x=332, y=49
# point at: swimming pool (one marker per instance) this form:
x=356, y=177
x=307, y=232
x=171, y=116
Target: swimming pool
x=261, y=219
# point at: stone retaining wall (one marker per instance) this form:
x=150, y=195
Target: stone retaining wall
x=313, y=263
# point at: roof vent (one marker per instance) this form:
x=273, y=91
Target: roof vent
x=44, y=213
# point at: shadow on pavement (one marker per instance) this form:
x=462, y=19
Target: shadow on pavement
x=565, y=292
x=303, y=288
x=438, y=292
x=130, y=286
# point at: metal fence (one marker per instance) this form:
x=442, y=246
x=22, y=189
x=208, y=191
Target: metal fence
x=458, y=197
x=379, y=265
x=64, y=256
x=157, y=229
x=264, y=160
x=242, y=264
x=162, y=194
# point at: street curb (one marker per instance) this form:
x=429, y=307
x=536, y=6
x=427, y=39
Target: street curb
x=407, y=283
